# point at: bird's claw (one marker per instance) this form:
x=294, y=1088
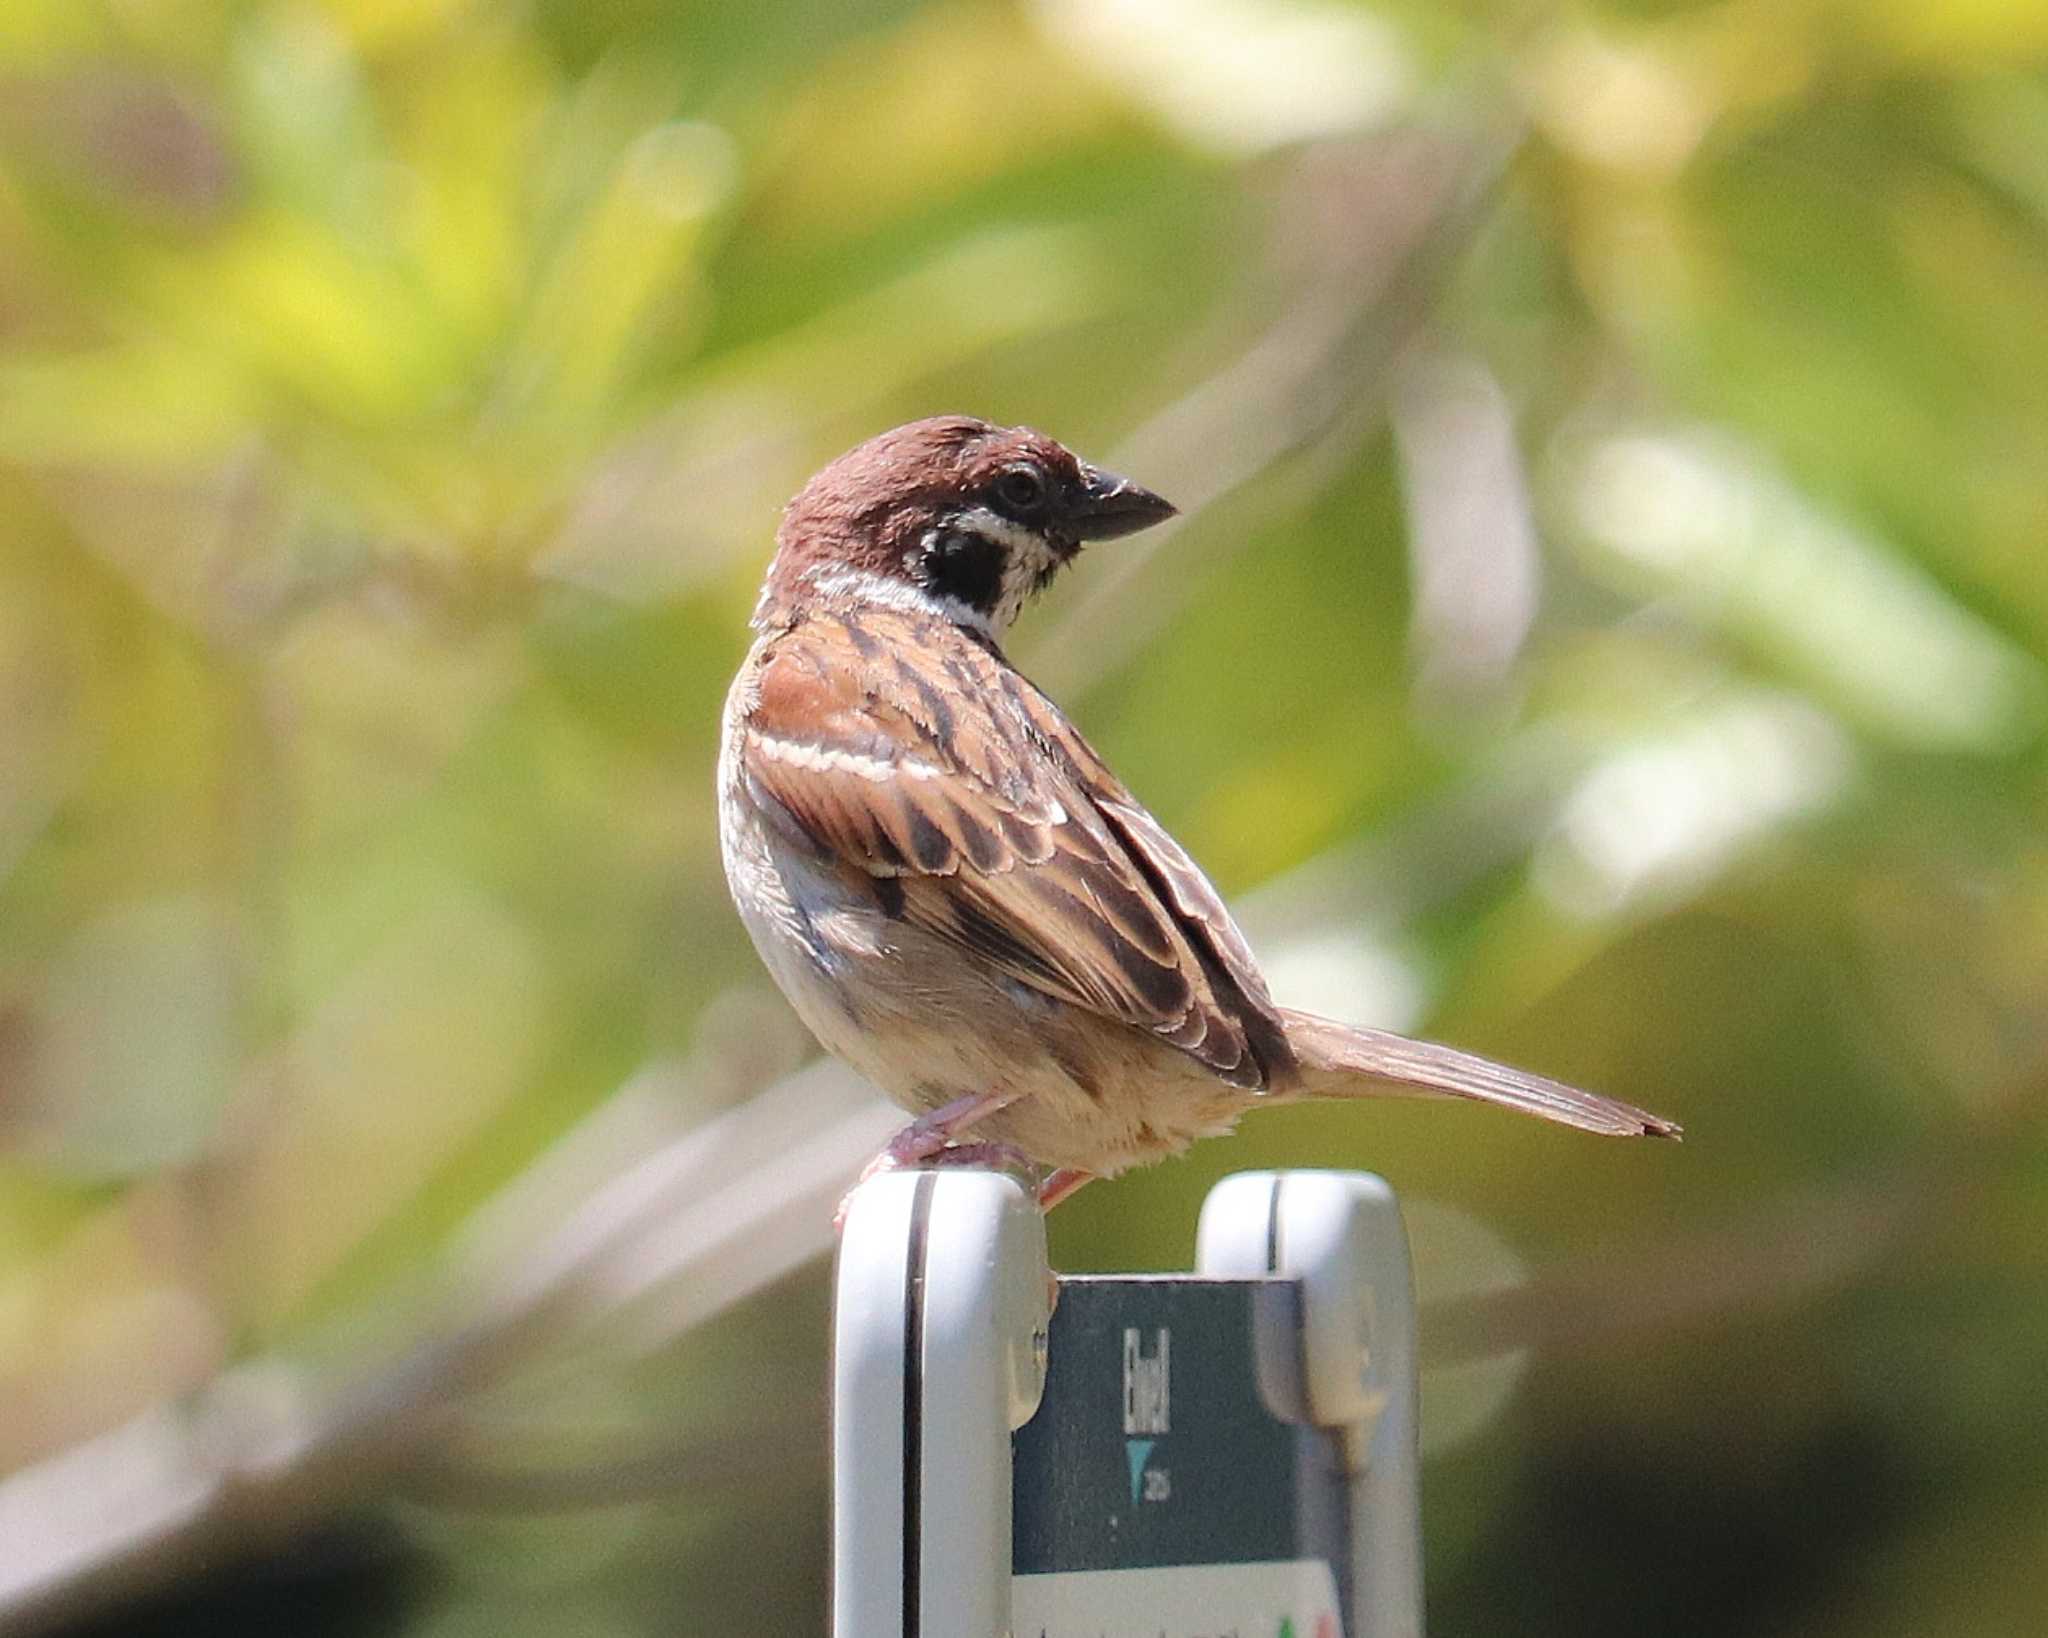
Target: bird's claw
x=915, y=1150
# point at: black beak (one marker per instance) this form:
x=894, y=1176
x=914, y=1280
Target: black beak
x=1107, y=506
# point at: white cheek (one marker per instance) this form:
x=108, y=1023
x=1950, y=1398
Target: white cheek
x=1025, y=573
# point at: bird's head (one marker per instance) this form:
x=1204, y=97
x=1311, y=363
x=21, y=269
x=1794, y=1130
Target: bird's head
x=950, y=515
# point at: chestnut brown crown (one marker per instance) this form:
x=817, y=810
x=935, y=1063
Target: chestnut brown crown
x=951, y=514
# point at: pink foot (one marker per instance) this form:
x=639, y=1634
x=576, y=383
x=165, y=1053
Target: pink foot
x=931, y=1132
x=925, y=1143
x=1062, y=1184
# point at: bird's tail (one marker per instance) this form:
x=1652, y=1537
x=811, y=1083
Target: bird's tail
x=1344, y=1061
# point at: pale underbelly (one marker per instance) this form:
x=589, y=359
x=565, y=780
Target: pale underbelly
x=928, y=1025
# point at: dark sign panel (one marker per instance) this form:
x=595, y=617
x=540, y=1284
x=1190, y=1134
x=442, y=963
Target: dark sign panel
x=1162, y=1488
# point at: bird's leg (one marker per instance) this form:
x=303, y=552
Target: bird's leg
x=928, y=1141
x=934, y=1130
x=1059, y=1185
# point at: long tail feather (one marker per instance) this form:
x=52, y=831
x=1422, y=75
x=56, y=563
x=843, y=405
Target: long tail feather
x=1344, y=1061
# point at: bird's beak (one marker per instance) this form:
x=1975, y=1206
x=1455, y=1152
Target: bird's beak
x=1108, y=506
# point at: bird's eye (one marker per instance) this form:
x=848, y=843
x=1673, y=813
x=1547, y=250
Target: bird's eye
x=1022, y=489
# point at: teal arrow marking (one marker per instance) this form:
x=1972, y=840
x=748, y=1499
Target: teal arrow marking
x=1138, y=1450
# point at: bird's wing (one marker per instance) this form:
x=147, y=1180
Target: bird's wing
x=905, y=752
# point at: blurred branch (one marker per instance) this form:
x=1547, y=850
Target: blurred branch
x=1374, y=230
x=1473, y=557
x=663, y=1243
x=1785, y=1253
x=754, y=1457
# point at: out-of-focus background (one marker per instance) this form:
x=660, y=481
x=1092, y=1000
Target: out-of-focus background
x=1608, y=631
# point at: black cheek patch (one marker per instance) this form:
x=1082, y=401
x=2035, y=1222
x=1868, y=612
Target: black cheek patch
x=968, y=567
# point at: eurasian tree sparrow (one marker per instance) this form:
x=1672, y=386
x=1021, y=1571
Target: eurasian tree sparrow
x=955, y=893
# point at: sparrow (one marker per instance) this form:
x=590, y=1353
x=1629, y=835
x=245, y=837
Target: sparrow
x=956, y=894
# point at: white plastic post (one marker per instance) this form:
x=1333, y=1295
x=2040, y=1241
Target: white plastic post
x=1340, y=1235
x=939, y=1355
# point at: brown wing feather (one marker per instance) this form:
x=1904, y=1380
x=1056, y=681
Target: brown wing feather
x=1002, y=833
x=1226, y=954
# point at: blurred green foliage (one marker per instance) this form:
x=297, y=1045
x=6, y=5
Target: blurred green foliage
x=1613, y=638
